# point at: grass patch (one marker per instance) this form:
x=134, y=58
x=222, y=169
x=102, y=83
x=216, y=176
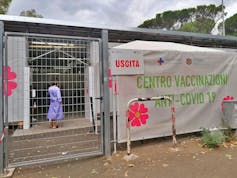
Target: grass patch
x=212, y=139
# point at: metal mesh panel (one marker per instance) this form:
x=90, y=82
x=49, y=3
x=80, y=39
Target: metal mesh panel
x=65, y=62
x=38, y=61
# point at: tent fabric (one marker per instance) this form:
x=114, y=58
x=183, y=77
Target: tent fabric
x=196, y=78
x=164, y=46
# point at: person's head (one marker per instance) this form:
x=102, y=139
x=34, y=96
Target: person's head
x=54, y=83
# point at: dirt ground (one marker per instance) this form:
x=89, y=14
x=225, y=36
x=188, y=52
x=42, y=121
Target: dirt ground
x=156, y=159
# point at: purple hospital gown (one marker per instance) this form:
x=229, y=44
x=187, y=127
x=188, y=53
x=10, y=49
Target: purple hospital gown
x=55, y=111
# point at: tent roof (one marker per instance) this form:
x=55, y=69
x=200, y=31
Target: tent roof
x=164, y=46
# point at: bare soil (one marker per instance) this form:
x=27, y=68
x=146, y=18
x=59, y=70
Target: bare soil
x=156, y=159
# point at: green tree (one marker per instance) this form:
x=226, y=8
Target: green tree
x=30, y=13
x=149, y=23
x=201, y=19
x=230, y=25
x=4, y=4
x=202, y=25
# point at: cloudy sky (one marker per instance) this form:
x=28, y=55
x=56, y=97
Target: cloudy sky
x=127, y=13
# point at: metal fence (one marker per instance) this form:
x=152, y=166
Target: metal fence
x=37, y=61
x=64, y=62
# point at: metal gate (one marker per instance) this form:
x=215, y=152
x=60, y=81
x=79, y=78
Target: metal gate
x=37, y=61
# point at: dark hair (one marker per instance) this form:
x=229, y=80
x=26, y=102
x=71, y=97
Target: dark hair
x=54, y=83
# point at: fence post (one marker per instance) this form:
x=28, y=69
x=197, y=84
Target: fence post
x=106, y=96
x=1, y=100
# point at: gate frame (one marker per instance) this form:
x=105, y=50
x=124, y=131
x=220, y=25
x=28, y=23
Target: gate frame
x=2, y=144
x=105, y=93
x=104, y=98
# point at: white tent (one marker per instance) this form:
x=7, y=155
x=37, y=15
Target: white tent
x=196, y=78
x=164, y=46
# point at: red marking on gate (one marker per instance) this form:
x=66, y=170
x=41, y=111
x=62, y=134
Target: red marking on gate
x=110, y=78
x=115, y=88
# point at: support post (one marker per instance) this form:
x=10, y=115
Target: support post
x=114, y=114
x=106, y=95
x=1, y=101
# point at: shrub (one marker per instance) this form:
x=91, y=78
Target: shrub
x=212, y=139
x=229, y=134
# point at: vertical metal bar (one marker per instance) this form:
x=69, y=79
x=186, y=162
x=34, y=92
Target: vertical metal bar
x=223, y=18
x=6, y=109
x=128, y=135
x=92, y=113
x=1, y=99
x=106, y=100
x=101, y=96
x=114, y=114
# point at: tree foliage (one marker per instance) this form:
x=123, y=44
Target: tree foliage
x=201, y=19
x=4, y=4
x=230, y=26
x=30, y=13
x=202, y=25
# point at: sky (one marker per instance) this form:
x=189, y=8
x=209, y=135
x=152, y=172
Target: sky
x=121, y=13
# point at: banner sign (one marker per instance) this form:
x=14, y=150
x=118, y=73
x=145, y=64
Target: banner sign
x=196, y=81
x=126, y=62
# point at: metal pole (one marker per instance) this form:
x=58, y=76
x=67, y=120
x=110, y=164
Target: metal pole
x=101, y=85
x=106, y=97
x=1, y=99
x=128, y=136
x=223, y=18
x=114, y=114
x=5, y=63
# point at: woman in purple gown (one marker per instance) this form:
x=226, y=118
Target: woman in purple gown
x=55, y=111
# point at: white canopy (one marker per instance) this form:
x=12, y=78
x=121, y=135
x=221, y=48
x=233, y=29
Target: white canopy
x=164, y=46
